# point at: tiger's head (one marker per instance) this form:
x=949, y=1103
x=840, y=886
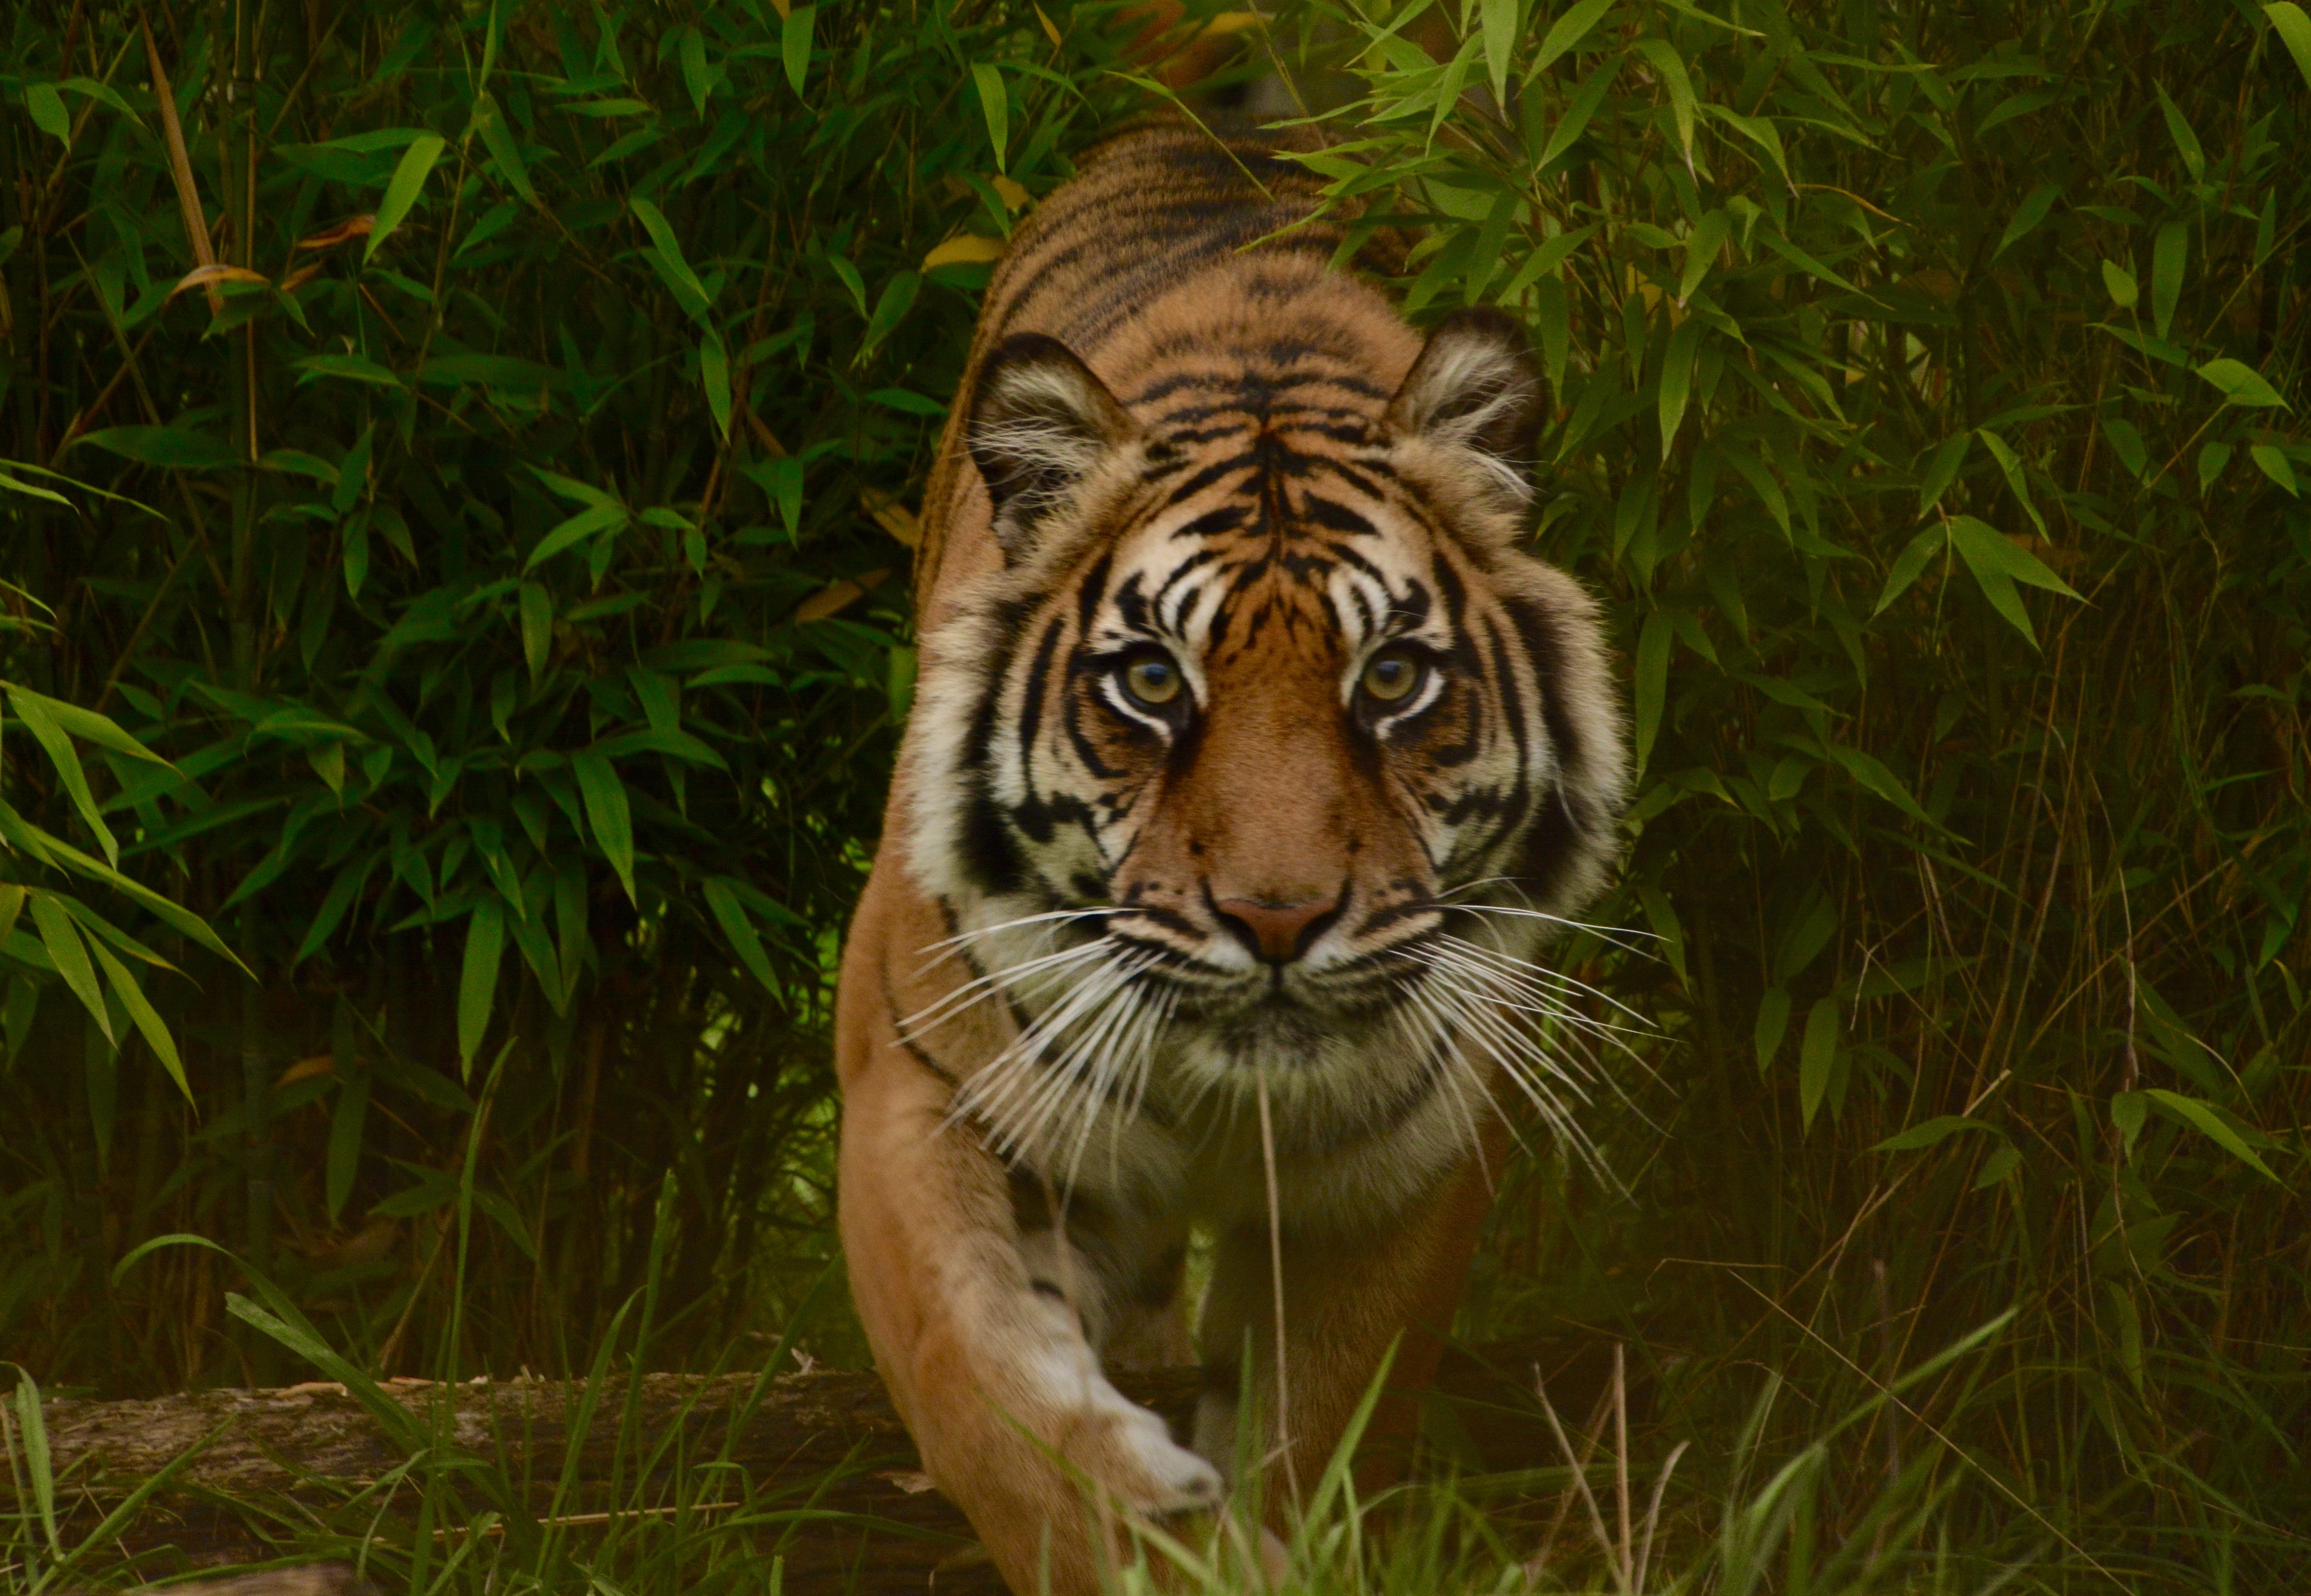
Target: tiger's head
x=1269, y=744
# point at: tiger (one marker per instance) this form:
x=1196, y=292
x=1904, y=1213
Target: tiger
x=1253, y=758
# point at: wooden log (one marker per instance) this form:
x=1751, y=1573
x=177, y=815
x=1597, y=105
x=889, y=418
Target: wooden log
x=826, y=1441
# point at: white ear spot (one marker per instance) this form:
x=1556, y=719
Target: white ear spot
x=1475, y=388
x=1041, y=422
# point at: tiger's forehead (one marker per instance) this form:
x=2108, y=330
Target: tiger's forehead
x=1252, y=536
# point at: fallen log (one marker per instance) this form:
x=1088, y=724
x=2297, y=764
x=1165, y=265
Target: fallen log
x=312, y=1471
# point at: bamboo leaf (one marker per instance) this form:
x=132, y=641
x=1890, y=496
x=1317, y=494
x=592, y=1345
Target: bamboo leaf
x=1817, y=1056
x=585, y=524
x=402, y=189
x=343, y=1162
x=794, y=44
x=1680, y=85
x=1569, y=31
x=48, y=113
x=1677, y=379
x=1772, y=1022
x=1910, y=564
x=37, y=712
x=1938, y=1129
x=606, y=812
x=1498, y=20
x=477, y=982
x=2031, y=211
x=746, y=942
x=2242, y=384
x=995, y=106
x=146, y=1017
x=1653, y=644
x=2201, y=1116
x=2293, y=27
x=2169, y=255
x=498, y=139
x=69, y=954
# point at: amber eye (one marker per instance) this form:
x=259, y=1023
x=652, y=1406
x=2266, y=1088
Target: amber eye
x=1391, y=676
x=1151, y=679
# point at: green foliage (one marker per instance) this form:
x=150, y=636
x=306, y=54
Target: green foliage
x=530, y=395
x=1928, y=381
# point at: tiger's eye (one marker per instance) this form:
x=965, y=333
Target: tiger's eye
x=1152, y=679
x=1391, y=676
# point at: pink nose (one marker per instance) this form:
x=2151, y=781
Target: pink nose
x=1274, y=932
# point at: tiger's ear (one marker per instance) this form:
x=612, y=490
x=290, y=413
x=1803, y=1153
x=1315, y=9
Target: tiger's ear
x=1040, y=423
x=1475, y=386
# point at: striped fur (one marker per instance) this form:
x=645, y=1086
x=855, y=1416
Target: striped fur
x=1253, y=763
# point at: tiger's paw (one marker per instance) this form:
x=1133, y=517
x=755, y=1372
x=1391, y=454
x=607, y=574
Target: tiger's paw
x=1136, y=1458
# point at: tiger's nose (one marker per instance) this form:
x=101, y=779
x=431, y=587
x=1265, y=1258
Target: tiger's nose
x=1276, y=932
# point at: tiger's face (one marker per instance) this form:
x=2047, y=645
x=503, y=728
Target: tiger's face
x=1266, y=735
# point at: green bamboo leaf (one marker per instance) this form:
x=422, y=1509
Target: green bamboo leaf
x=897, y=299
x=1670, y=65
x=714, y=377
x=1701, y=247
x=2127, y=444
x=2123, y=288
x=536, y=626
x=343, y=1163
x=1998, y=562
x=32, y=1425
x=1772, y=1022
x=2187, y=142
x=171, y=448
x=2294, y=30
x=1498, y=20
x=498, y=139
x=570, y=488
x=2016, y=482
x=1938, y=1129
x=1910, y=564
x=994, y=105
x=48, y=113
x=1942, y=470
x=1653, y=645
x=2273, y=463
x=1545, y=260
x=1582, y=106
x=37, y=712
x=794, y=44
x=2031, y=211
x=1569, y=31
x=1817, y=1057
x=146, y=1017
x=2202, y=1118
x=2169, y=256
x=696, y=75
x=608, y=813
x=670, y=262
x=585, y=524
x=1677, y=379
x=743, y=939
x=401, y=191
x=477, y=982
x=2242, y=384
x=69, y=954
x=1870, y=772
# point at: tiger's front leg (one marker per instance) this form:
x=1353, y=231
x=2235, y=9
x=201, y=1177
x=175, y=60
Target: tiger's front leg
x=1349, y=1294
x=978, y=1324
